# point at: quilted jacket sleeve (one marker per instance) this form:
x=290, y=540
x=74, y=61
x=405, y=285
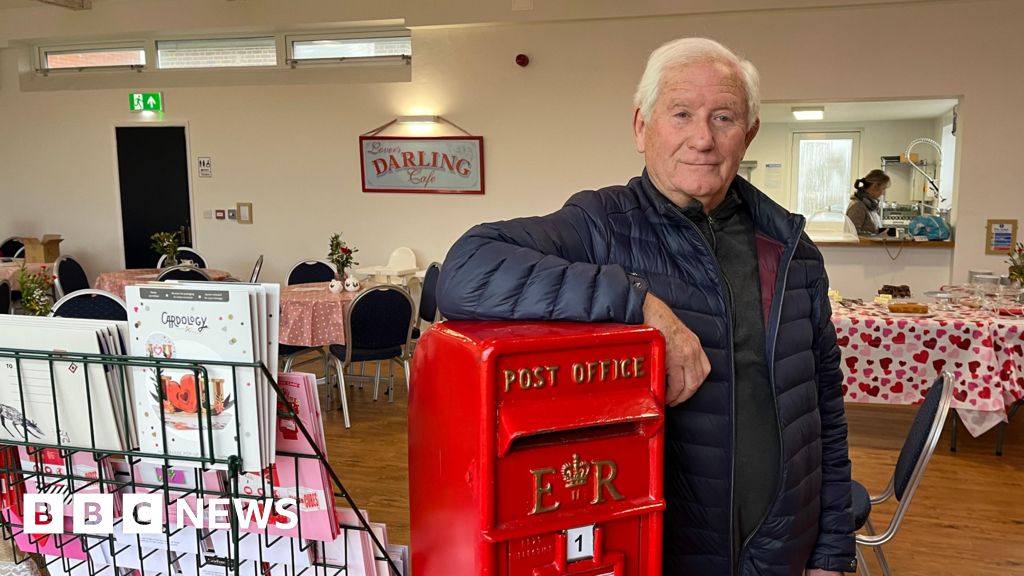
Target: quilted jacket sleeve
x=834, y=549
x=540, y=268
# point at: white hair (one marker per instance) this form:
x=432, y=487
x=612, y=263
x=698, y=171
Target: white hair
x=686, y=51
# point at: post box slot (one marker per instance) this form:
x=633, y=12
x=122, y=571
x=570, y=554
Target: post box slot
x=572, y=436
x=518, y=420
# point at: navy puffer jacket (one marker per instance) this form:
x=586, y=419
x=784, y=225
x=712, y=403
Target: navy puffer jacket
x=594, y=260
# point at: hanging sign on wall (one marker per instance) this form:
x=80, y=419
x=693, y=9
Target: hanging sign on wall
x=443, y=164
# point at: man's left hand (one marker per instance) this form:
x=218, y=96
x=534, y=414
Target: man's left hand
x=818, y=572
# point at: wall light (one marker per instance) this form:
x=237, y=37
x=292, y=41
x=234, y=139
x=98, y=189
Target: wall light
x=809, y=113
x=418, y=119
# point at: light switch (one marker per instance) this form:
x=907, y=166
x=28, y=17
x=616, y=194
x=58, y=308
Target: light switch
x=231, y=213
x=208, y=214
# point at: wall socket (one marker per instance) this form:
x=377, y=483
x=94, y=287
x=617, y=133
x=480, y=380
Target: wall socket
x=231, y=213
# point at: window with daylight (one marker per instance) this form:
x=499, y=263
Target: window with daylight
x=344, y=47
x=823, y=170
x=98, y=57
x=216, y=53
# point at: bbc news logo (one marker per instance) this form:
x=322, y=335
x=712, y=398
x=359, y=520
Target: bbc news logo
x=144, y=513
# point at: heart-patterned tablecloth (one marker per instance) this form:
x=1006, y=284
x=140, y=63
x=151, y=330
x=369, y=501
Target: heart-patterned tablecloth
x=893, y=360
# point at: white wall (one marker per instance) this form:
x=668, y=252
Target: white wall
x=560, y=125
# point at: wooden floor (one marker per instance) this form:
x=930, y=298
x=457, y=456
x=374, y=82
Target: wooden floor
x=966, y=519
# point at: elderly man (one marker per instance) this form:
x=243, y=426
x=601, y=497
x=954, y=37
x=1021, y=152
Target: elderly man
x=757, y=473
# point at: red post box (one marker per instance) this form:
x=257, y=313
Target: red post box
x=535, y=449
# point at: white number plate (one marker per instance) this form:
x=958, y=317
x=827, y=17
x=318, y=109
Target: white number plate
x=580, y=543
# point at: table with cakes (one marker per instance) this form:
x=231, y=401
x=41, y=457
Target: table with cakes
x=893, y=351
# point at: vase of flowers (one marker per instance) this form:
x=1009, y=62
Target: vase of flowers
x=36, y=289
x=166, y=244
x=341, y=255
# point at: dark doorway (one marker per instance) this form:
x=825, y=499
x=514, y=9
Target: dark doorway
x=152, y=166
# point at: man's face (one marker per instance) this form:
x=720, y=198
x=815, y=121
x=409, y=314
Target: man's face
x=697, y=133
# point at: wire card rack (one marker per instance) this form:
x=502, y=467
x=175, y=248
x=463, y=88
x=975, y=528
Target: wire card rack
x=207, y=545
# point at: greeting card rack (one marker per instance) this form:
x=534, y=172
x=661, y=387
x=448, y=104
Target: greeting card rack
x=56, y=467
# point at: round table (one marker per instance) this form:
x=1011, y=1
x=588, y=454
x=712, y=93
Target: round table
x=114, y=282
x=313, y=316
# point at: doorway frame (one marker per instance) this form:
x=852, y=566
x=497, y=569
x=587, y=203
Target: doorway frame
x=117, y=177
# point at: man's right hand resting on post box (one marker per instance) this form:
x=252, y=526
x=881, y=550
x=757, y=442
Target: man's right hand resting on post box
x=686, y=365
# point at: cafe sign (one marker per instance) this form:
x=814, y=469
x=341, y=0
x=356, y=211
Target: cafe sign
x=443, y=164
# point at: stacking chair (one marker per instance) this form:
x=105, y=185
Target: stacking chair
x=427, y=310
x=913, y=459
x=185, y=253
x=377, y=327
x=11, y=247
x=256, y=270
x=70, y=275
x=309, y=271
x=91, y=303
x=183, y=273
x=306, y=272
x=5, y=297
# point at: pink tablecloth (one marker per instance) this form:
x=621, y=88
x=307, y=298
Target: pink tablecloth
x=312, y=316
x=9, y=271
x=894, y=360
x=115, y=282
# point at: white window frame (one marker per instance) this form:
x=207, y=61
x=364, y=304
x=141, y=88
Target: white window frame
x=804, y=135
x=278, y=61
x=42, y=51
x=290, y=39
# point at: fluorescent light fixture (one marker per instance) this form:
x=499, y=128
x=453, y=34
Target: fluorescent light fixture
x=809, y=113
x=418, y=119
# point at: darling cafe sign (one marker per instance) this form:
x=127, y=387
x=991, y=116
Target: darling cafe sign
x=443, y=164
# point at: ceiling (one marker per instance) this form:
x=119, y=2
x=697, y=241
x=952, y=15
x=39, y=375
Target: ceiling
x=779, y=112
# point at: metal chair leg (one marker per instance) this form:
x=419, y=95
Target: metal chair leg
x=376, y=382
x=952, y=425
x=1002, y=427
x=340, y=369
x=862, y=566
x=879, y=554
x=405, y=362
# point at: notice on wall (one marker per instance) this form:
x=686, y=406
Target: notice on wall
x=205, y=167
x=773, y=179
x=1000, y=236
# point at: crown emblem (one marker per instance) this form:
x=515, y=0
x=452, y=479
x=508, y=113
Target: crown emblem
x=575, y=473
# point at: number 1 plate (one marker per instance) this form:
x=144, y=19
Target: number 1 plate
x=579, y=543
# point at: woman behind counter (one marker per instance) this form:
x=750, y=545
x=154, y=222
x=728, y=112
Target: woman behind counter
x=863, y=210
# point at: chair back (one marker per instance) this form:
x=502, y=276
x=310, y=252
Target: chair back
x=92, y=304
x=71, y=276
x=183, y=273
x=256, y=270
x=402, y=258
x=309, y=271
x=380, y=317
x=5, y=297
x=923, y=436
x=10, y=247
x=428, y=295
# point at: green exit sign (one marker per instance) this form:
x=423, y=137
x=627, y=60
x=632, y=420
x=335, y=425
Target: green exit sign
x=146, y=101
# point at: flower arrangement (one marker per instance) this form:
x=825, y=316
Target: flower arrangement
x=166, y=244
x=36, y=288
x=1016, y=263
x=341, y=255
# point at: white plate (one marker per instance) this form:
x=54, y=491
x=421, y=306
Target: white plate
x=911, y=314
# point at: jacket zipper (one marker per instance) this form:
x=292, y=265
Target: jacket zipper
x=727, y=301
x=774, y=327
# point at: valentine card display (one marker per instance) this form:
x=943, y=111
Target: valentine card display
x=189, y=413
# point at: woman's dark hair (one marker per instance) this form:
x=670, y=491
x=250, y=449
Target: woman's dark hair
x=876, y=176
